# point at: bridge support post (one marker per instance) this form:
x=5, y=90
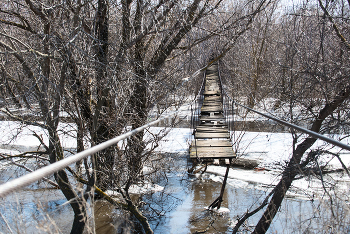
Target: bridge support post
x=217, y=202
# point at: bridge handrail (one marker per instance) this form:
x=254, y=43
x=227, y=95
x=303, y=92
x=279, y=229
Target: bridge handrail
x=202, y=86
x=301, y=129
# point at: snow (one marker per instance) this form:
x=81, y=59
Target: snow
x=272, y=150
x=141, y=188
x=145, y=187
x=177, y=140
x=113, y=193
x=17, y=136
x=222, y=210
x=242, y=175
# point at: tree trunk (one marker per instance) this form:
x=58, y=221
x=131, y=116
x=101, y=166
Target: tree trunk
x=293, y=166
x=61, y=177
x=104, y=117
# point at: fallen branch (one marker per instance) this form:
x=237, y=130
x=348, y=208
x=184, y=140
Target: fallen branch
x=24, y=155
x=249, y=214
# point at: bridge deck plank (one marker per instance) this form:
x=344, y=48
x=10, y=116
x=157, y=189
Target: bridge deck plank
x=211, y=143
x=212, y=135
x=212, y=98
x=217, y=124
x=212, y=154
x=216, y=92
x=203, y=128
x=211, y=109
x=211, y=119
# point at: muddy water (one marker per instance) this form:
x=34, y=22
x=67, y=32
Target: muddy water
x=190, y=215
x=180, y=208
x=189, y=196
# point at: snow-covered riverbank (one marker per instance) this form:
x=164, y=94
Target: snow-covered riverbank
x=245, y=187
x=272, y=150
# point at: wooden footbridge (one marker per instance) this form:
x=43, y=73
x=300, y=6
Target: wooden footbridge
x=211, y=137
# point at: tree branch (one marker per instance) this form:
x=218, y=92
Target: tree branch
x=23, y=155
x=30, y=170
x=37, y=11
x=249, y=214
x=129, y=206
x=15, y=117
x=335, y=27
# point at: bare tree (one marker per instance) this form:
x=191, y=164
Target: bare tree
x=313, y=87
x=104, y=66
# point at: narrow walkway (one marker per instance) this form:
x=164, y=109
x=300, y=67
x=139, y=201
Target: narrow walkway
x=211, y=136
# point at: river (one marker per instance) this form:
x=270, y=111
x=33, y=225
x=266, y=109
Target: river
x=179, y=208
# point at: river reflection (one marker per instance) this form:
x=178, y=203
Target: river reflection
x=195, y=194
x=103, y=214
x=205, y=192
x=181, y=208
x=191, y=215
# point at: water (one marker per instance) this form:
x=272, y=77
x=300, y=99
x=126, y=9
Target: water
x=180, y=208
x=32, y=211
x=190, y=196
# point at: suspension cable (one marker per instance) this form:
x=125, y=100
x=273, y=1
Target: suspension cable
x=30, y=178
x=16, y=184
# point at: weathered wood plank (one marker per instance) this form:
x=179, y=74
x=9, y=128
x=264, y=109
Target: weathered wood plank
x=211, y=103
x=211, y=143
x=205, y=135
x=210, y=98
x=202, y=128
x=212, y=86
x=219, y=124
x=212, y=93
x=213, y=124
x=213, y=117
x=211, y=149
x=208, y=119
x=211, y=109
x=211, y=130
x=212, y=154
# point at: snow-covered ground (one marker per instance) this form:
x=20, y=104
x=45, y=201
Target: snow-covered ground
x=272, y=150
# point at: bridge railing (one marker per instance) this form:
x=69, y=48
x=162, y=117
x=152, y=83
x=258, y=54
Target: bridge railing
x=228, y=107
x=197, y=104
x=230, y=102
